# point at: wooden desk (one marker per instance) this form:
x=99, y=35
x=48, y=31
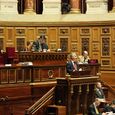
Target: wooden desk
x=43, y=58
x=75, y=93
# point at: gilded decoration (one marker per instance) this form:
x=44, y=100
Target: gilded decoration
x=20, y=32
x=105, y=30
x=42, y=31
x=105, y=62
x=85, y=31
x=95, y=47
x=64, y=31
x=53, y=46
x=74, y=47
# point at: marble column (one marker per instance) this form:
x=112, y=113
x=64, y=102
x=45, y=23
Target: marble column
x=75, y=6
x=8, y=7
x=51, y=6
x=29, y=7
x=113, y=9
x=97, y=6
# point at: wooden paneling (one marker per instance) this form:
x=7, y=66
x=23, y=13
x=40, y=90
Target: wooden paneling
x=74, y=34
x=31, y=34
x=108, y=77
x=113, y=60
x=95, y=34
x=99, y=41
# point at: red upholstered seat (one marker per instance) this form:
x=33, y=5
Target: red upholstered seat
x=1, y=60
x=10, y=51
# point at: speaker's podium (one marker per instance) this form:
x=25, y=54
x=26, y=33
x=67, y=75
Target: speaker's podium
x=56, y=110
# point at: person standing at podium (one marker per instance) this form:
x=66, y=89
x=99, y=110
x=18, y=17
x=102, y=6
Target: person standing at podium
x=71, y=65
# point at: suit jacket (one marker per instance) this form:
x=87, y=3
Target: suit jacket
x=70, y=67
x=44, y=46
x=92, y=111
x=99, y=94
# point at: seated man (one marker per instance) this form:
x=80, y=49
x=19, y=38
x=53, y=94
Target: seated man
x=93, y=109
x=71, y=65
x=110, y=107
x=99, y=91
x=84, y=58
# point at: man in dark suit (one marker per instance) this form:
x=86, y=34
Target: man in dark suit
x=71, y=65
x=40, y=44
x=99, y=91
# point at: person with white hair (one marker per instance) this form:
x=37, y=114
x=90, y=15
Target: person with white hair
x=71, y=65
x=84, y=58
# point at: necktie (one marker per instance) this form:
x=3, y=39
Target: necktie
x=97, y=112
x=75, y=66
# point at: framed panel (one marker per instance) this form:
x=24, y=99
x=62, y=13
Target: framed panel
x=44, y=73
x=2, y=31
x=113, y=47
x=85, y=31
x=85, y=43
x=42, y=30
x=20, y=43
x=19, y=75
x=20, y=31
x=64, y=31
x=53, y=34
x=31, y=34
x=113, y=34
x=105, y=30
x=12, y=75
x=10, y=33
x=74, y=47
x=95, y=34
x=95, y=47
x=96, y=55
x=1, y=43
x=105, y=46
x=113, y=59
x=27, y=75
x=74, y=34
x=36, y=74
x=53, y=46
x=106, y=62
x=4, y=76
x=64, y=44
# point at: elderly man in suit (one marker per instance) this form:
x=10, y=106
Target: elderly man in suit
x=71, y=65
x=84, y=58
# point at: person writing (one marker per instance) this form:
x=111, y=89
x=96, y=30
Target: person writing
x=40, y=44
x=93, y=109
